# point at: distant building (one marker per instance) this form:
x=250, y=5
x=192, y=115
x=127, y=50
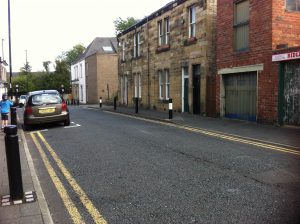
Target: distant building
x=258, y=60
x=95, y=73
x=3, y=78
x=171, y=54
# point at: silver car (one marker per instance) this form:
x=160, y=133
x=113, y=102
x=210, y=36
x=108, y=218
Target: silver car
x=45, y=106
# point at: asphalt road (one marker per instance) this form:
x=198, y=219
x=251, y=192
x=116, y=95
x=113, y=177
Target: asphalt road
x=134, y=171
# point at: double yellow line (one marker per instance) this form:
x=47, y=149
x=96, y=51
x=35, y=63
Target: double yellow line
x=223, y=136
x=70, y=206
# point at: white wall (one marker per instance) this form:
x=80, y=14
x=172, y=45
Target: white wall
x=78, y=72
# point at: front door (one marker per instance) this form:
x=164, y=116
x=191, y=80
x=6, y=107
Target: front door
x=196, y=89
x=185, y=90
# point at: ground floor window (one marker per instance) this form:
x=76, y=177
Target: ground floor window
x=164, y=84
x=137, y=85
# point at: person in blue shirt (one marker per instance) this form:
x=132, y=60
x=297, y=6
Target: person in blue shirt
x=5, y=105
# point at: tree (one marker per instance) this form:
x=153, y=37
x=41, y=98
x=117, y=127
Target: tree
x=46, y=65
x=26, y=68
x=121, y=24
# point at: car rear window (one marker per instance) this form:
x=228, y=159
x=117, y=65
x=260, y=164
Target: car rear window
x=45, y=98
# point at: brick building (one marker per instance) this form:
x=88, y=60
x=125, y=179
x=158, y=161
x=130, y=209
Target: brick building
x=258, y=60
x=95, y=72
x=171, y=54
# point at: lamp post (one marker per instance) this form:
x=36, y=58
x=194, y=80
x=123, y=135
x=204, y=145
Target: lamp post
x=9, y=44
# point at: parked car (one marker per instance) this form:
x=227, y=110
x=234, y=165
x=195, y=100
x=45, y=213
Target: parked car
x=22, y=100
x=45, y=106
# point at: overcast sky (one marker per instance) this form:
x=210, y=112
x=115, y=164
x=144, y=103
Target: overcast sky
x=46, y=28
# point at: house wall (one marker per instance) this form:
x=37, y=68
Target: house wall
x=182, y=51
x=91, y=79
x=107, y=72
x=258, y=55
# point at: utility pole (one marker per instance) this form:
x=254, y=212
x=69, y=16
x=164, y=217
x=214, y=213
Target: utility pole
x=26, y=70
x=9, y=44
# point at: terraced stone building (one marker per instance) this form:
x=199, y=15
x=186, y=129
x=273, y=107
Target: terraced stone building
x=171, y=54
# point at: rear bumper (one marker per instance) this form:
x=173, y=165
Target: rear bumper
x=30, y=120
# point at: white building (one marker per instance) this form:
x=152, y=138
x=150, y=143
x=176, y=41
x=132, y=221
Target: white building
x=78, y=79
x=3, y=78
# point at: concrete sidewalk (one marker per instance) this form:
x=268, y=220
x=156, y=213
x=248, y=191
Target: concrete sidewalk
x=35, y=212
x=288, y=136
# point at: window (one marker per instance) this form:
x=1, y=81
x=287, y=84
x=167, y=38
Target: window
x=241, y=26
x=76, y=72
x=80, y=70
x=81, y=93
x=292, y=5
x=123, y=50
x=163, y=32
x=192, y=21
x=164, y=84
x=137, y=45
x=137, y=86
x=107, y=48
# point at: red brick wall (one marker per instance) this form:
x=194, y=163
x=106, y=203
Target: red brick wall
x=286, y=25
x=265, y=16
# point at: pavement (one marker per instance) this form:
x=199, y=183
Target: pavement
x=37, y=212
x=33, y=208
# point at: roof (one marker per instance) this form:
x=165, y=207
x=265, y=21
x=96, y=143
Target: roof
x=100, y=45
x=169, y=6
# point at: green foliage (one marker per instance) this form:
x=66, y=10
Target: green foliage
x=46, y=65
x=26, y=68
x=29, y=81
x=121, y=24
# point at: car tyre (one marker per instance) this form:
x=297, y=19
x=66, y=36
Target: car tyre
x=26, y=127
x=67, y=122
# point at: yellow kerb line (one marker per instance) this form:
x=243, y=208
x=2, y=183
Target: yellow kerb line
x=76, y=217
x=217, y=135
x=82, y=195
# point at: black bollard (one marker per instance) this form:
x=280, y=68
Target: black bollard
x=136, y=105
x=13, y=115
x=100, y=102
x=13, y=162
x=115, y=103
x=170, y=109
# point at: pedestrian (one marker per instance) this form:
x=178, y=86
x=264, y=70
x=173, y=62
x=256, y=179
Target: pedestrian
x=5, y=105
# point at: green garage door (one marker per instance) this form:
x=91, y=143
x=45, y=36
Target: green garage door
x=240, y=96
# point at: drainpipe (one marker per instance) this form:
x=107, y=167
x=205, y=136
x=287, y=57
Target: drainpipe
x=148, y=62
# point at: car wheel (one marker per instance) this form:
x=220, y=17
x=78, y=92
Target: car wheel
x=67, y=122
x=26, y=127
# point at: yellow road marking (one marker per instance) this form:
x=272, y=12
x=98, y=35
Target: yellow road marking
x=217, y=135
x=82, y=195
x=76, y=217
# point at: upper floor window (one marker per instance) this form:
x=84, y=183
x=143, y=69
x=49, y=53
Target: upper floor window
x=292, y=5
x=192, y=21
x=76, y=71
x=80, y=70
x=123, y=50
x=137, y=45
x=241, y=25
x=163, y=32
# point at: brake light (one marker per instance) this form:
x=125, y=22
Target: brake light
x=64, y=106
x=28, y=110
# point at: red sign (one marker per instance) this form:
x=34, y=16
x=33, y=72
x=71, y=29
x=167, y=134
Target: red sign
x=286, y=56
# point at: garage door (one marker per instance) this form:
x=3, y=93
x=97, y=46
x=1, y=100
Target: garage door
x=292, y=93
x=241, y=96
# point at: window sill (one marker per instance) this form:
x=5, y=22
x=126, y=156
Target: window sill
x=162, y=48
x=190, y=41
x=164, y=101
